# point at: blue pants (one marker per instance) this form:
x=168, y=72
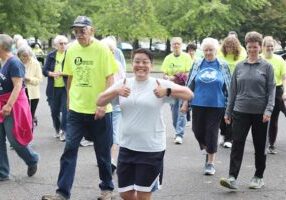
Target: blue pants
x=179, y=118
x=58, y=104
x=25, y=152
x=101, y=132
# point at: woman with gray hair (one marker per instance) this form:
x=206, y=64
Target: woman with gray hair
x=33, y=77
x=209, y=78
x=56, y=91
x=15, y=115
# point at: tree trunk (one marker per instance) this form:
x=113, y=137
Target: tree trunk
x=150, y=44
x=135, y=44
x=168, y=47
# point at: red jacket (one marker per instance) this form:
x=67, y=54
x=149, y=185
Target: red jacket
x=22, y=118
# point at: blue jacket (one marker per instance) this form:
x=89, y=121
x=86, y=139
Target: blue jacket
x=50, y=67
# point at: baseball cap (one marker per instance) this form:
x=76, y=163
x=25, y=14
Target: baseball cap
x=82, y=21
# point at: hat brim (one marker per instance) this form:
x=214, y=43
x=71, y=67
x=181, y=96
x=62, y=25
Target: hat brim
x=78, y=25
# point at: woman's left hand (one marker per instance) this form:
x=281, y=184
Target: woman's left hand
x=6, y=110
x=159, y=91
x=266, y=118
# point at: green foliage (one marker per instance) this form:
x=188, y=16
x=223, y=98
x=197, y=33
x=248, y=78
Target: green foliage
x=30, y=17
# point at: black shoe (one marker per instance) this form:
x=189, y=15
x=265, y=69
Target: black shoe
x=113, y=167
x=32, y=170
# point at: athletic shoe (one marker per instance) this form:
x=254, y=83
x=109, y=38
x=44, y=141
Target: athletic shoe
x=4, y=178
x=209, y=169
x=256, y=183
x=85, y=143
x=57, y=134
x=178, y=140
x=105, y=195
x=227, y=145
x=54, y=197
x=32, y=170
x=62, y=136
x=272, y=150
x=229, y=183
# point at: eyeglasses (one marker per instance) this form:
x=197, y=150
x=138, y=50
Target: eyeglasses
x=144, y=62
x=79, y=31
x=63, y=43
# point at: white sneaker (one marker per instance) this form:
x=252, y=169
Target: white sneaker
x=227, y=144
x=62, y=136
x=85, y=143
x=188, y=123
x=105, y=195
x=256, y=183
x=57, y=134
x=178, y=140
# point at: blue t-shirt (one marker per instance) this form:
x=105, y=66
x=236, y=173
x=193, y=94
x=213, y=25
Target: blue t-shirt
x=12, y=68
x=209, y=85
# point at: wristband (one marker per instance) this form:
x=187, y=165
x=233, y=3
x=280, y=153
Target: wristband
x=169, y=91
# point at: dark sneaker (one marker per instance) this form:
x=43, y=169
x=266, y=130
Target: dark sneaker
x=209, y=169
x=229, y=183
x=32, y=170
x=105, y=195
x=256, y=183
x=4, y=178
x=272, y=150
x=54, y=197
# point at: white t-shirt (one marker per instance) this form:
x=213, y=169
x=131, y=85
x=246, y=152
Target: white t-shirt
x=142, y=127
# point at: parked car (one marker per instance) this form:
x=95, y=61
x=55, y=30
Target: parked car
x=282, y=53
x=125, y=46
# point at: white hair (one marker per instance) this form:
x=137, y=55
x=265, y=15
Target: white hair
x=110, y=43
x=60, y=38
x=210, y=41
x=174, y=39
x=25, y=49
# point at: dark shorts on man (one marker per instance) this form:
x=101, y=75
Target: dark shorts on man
x=140, y=171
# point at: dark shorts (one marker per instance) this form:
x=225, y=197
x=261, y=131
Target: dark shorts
x=140, y=171
x=206, y=122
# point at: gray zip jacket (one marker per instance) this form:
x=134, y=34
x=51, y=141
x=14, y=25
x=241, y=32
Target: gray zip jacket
x=252, y=88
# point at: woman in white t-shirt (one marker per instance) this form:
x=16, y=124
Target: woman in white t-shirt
x=142, y=137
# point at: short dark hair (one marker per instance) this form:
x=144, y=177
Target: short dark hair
x=145, y=51
x=192, y=46
x=253, y=36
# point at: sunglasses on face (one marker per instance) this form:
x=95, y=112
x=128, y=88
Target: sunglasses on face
x=79, y=31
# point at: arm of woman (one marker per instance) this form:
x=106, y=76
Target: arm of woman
x=181, y=92
x=17, y=83
x=113, y=92
x=37, y=78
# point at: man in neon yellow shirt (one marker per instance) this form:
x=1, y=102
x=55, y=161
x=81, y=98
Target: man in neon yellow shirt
x=279, y=67
x=176, y=67
x=89, y=66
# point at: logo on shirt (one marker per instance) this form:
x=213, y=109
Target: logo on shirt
x=208, y=75
x=78, y=61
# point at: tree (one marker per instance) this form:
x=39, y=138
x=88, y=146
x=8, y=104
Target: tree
x=128, y=19
x=38, y=18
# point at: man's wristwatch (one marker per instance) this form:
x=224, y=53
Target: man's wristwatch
x=169, y=91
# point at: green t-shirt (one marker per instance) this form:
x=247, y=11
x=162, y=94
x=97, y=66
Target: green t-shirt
x=279, y=67
x=229, y=58
x=59, y=82
x=89, y=66
x=176, y=64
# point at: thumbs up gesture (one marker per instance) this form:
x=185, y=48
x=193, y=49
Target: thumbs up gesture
x=160, y=91
x=123, y=91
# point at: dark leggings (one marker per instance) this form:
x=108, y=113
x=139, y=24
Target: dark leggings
x=279, y=106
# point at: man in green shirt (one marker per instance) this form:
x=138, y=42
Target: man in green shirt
x=176, y=67
x=89, y=66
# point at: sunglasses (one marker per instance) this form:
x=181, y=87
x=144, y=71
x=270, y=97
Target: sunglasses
x=80, y=31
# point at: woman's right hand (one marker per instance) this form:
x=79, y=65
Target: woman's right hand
x=227, y=119
x=123, y=91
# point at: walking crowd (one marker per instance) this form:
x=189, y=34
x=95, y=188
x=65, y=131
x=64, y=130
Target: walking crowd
x=227, y=89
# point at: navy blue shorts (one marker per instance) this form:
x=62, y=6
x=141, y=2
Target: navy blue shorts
x=140, y=171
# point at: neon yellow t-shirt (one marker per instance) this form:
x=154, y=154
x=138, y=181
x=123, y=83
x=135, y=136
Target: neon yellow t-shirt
x=229, y=58
x=279, y=67
x=89, y=66
x=172, y=64
x=59, y=82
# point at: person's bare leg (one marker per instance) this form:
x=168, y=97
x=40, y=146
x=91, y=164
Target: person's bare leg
x=129, y=195
x=144, y=195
